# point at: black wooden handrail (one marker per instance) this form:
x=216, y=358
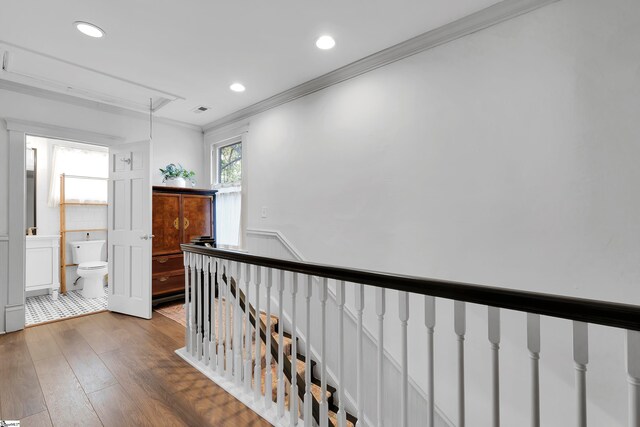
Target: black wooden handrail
x=617, y=315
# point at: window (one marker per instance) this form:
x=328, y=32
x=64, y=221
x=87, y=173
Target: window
x=80, y=162
x=228, y=161
x=230, y=164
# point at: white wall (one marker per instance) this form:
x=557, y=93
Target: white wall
x=171, y=143
x=506, y=158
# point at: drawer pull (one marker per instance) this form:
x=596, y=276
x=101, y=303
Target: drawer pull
x=186, y=223
x=176, y=224
x=163, y=278
x=163, y=260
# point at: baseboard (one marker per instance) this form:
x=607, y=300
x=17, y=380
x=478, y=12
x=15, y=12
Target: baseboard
x=14, y=317
x=230, y=387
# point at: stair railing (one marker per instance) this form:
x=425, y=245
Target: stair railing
x=201, y=263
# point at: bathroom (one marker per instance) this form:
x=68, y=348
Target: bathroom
x=66, y=259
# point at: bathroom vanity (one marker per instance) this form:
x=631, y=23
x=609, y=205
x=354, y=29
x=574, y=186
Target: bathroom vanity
x=43, y=266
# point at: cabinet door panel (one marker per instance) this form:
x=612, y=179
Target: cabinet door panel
x=167, y=229
x=197, y=214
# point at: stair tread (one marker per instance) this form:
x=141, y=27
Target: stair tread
x=333, y=418
x=300, y=363
x=316, y=390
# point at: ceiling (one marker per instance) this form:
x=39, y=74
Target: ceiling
x=194, y=49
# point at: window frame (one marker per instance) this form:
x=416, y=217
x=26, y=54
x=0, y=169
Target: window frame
x=218, y=157
x=213, y=142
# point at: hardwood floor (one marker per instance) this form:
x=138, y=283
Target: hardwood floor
x=112, y=370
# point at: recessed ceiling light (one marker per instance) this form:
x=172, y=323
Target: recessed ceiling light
x=89, y=29
x=237, y=87
x=325, y=42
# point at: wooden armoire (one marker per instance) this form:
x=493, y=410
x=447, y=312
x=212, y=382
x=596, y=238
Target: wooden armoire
x=179, y=215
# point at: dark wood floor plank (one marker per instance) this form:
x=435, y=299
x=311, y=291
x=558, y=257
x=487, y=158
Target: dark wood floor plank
x=116, y=408
x=165, y=326
x=40, y=419
x=155, y=403
x=20, y=394
x=218, y=407
x=99, y=339
x=67, y=403
x=41, y=343
x=134, y=376
x=92, y=374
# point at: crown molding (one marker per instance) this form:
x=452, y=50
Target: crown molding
x=228, y=131
x=107, y=108
x=470, y=24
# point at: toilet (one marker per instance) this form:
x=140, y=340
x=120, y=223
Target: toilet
x=91, y=268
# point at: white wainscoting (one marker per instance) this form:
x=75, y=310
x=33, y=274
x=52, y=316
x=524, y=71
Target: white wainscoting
x=4, y=277
x=273, y=244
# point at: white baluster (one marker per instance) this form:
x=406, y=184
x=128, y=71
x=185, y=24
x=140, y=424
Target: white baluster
x=633, y=372
x=359, y=305
x=257, y=374
x=187, y=337
x=324, y=405
x=340, y=299
x=430, y=323
x=581, y=358
x=212, y=298
x=268, y=386
x=293, y=397
x=403, y=309
x=199, y=306
x=280, y=346
x=493, y=316
x=248, y=369
x=533, y=344
x=380, y=310
x=237, y=327
x=308, y=399
x=192, y=309
x=460, y=326
x=227, y=323
x=220, y=338
x=205, y=317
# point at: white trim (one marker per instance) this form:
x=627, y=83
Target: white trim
x=93, y=70
x=14, y=302
x=229, y=130
x=277, y=235
x=14, y=317
x=394, y=363
x=470, y=24
x=107, y=108
x=60, y=132
x=271, y=416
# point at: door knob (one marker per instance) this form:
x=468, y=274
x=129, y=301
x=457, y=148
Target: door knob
x=147, y=236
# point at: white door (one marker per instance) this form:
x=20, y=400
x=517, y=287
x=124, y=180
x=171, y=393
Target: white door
x=129, y=239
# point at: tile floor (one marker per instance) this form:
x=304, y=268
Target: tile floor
x=44, y=309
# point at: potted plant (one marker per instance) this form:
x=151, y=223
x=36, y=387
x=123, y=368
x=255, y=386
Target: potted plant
x=177, y=176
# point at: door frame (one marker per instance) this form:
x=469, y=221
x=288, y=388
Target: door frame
x=13, y=298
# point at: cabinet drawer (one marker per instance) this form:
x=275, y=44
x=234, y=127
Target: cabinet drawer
x=166, y=263
x=167, y=284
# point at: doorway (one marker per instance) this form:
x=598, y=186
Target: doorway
x=129, y=219
x=66, y=229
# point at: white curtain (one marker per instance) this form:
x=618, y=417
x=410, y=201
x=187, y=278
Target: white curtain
x=75, y=161
x=228, y=215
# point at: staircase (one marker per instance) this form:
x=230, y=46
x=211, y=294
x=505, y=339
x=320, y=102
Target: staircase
x=212, y=352
x=300, y=360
